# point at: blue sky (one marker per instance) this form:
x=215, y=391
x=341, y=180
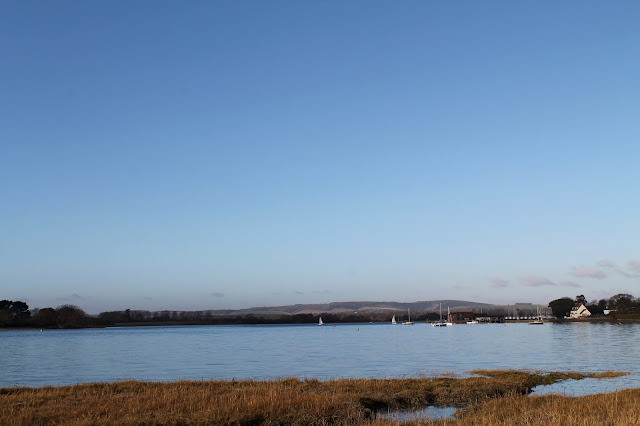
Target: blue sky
x=204, y=155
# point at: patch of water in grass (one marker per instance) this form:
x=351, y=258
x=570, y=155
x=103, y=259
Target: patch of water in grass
x=588, y=386
x=428, y=413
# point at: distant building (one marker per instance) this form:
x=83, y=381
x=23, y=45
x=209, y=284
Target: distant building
x=609, y=311
x=462, y=316
x=579, y=311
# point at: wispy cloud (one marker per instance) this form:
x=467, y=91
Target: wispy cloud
x=299, y=293
x=569, y=284
x=586, y=272
x=604, y=263
x=633, y=266
x=497, y=282
x=74, y=298
x=217, y=294
x=533, y=281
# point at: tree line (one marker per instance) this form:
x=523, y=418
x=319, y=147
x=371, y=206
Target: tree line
x=209, y=317
x=17, y=314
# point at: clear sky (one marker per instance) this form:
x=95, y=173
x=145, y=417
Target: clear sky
x=227, y=154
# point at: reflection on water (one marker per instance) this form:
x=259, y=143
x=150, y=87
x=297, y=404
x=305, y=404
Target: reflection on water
x=56, y=357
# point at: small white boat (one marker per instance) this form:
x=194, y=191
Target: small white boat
x=320, y=321
x=408, y=322
x=473, y=322
x=393, y=320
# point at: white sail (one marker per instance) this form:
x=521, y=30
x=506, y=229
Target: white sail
x=320, y=321
x=393, y=320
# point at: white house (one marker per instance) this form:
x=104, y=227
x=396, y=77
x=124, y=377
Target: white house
x=579, y=311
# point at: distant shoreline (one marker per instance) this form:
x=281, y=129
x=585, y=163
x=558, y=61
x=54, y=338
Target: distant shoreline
x=327, y=324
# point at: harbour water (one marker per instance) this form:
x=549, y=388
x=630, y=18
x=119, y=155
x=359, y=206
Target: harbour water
x=60, y=357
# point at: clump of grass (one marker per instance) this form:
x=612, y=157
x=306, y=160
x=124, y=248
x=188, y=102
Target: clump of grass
x=247, y=402
x=608, y=374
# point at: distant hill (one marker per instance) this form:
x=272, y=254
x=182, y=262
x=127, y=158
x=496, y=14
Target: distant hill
x=336, y=312
x=361, y=307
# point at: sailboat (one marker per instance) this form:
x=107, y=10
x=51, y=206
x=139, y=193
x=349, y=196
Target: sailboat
x=448, y=323
x=320, y=321
x=408, y=322
x=393, y=320
x=538, y=320
x=439, y=323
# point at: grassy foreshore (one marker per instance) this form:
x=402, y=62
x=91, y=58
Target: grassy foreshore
x=493, y=398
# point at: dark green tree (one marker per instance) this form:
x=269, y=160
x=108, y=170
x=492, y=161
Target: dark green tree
x=47, y=317
x=14, y=310
x=561, y=307
x=71, y=316
x=621, y=302
x=595, y=309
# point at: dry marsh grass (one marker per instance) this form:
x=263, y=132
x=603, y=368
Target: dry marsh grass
x=493, y=397
x=619, y=408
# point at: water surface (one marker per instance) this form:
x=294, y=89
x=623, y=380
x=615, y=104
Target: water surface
x=58, y=357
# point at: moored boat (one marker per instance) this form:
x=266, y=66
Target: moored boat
x=409, y=321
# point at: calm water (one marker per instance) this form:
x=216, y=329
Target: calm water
x=57, y=357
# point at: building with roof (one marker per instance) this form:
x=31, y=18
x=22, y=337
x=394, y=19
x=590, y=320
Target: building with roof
x=579, y=311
